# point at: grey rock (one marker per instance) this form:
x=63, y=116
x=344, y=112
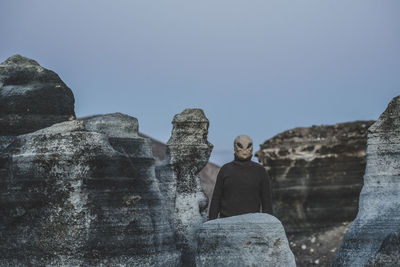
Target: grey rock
x=316, y=178
x=5, y=141
x=114, y=125
x=208, y=175
x=373, y=237
x=317, y=173
x=188, y=151
x=317, y=247
x=389, y=252
x=83, y=193
x=256, y=239
x=31, y=97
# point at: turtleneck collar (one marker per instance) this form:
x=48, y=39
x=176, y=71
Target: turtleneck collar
x=242, y=162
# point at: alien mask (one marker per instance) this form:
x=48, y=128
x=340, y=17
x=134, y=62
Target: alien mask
x=243, y=146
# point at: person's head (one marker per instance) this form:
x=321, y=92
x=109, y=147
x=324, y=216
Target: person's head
x=243, y=146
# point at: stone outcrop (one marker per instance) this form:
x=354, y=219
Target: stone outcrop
x=83, y=192
x=256, y=239
x=208, y=175
x=317, y=176
x=88, y=192
x=373, y=238
x=31, y=97
x=189, y=151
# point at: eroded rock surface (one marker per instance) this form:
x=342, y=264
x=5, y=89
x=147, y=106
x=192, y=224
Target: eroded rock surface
x=31, y=97
x=189, y=151
x=256, y=239
x=317, y=176
x=373, y=237
x=83, y=192
x=208, y=175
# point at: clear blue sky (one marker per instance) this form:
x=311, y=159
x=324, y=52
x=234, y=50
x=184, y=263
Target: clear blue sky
x=255, y=67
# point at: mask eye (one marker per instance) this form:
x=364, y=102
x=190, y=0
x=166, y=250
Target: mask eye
x=239, y=145
x=249, y=145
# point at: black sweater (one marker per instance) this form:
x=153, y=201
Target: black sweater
x=241, y=187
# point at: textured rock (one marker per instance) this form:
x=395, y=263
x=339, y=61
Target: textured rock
x=317, y=173
x=373, y=237
x=317, y=176
x=389, y=252
x=208, y=175
x=31, y=97
x=317, y=247
x=83, y=192
x=256, y=239
x=189, y=151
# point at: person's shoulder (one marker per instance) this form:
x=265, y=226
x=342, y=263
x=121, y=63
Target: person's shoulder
x=227, y=165
x=259, y=168
x=257, y=165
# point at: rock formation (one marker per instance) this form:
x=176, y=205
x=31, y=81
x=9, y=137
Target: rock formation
x=256, y=239
x=208, y=175
x=317, y=176
x=373, y=238
x=83, y=192
x=189, y=152
x=31, y=97
x=88, y=191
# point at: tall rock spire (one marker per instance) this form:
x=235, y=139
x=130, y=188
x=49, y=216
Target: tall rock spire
x=189, y=152
x=374, y=237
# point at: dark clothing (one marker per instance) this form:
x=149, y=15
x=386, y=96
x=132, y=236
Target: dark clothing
x=241, y=187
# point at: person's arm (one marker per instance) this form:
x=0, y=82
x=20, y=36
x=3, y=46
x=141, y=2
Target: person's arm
x=216, y=197
x=266, y=193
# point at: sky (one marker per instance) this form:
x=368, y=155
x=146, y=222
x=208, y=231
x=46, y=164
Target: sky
x=255, y=67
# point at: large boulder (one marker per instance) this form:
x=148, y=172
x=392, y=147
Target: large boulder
x=31, y=97
x=317, y=177
x=84, y=192
x=373, y=238
x=256, y=239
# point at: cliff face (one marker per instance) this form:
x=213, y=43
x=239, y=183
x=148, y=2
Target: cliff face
x=374, y=237
x=317, y=173
x=317, y=176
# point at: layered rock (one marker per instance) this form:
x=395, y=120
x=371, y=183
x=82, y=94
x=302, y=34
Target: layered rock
x=208, y=175
x=189, y=151
x=88, y=192
x=317, y=176
x=31, y=97
x=83, y=192
x=373, y=237
x=256, y=239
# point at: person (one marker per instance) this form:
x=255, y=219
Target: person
x=242, y=186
